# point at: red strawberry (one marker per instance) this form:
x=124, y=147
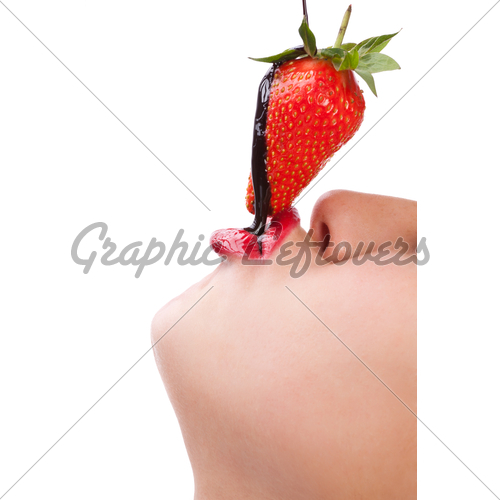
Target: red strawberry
x=313, y=111
x=315, y=106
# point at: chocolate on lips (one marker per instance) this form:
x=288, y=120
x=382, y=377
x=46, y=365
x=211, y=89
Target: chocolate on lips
x=240, y=243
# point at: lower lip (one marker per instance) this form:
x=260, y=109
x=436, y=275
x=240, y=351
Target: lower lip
x=240, y=243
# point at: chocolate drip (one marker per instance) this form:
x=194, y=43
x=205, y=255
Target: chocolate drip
x=261, y=187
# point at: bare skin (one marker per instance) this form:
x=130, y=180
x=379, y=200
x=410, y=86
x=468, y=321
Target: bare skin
x=271, y=404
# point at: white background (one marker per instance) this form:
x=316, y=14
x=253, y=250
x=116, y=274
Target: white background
x=177, y=74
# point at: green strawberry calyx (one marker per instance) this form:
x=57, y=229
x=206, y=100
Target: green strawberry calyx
x=364, y=58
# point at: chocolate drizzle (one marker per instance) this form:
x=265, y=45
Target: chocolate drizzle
x=261, y=187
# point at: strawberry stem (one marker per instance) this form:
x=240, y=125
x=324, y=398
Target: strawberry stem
x=304, y=9
x=343, y=27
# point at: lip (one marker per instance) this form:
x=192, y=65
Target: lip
x=239, y=243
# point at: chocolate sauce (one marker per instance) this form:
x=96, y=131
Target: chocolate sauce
x=261, y=187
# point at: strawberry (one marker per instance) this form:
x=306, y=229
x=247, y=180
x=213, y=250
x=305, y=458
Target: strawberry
x=313, y=110
x=314, y=107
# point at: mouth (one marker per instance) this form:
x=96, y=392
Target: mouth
x=235, y=242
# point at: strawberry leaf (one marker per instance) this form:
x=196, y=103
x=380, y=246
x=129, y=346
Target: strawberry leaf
x=374, y=44
x=367, y=77
x=376, y=63
x=347, y=46
x=286, y=55
x=354, y=58
x=330, y=53
x=335, y=55
x=308, y=38
x=364, y=58
x=380, y=47
x=350, y=61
